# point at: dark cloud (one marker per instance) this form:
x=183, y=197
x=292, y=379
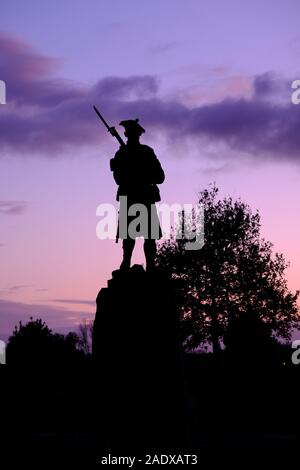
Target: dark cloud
x=125, y=88
x=25, y=72
x=265, y=84
x=15, y=288
x=50, y=116
x=74, y=301
x=59, y=319
x=18, y=287
x=253, y=126
x=12, y=207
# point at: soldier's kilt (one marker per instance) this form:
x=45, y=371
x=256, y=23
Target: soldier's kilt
x=151, y=229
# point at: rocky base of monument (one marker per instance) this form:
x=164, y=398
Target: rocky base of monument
x=138, y=374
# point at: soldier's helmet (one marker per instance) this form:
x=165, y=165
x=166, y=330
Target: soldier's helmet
x=132, y=126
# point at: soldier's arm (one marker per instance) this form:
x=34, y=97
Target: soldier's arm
x=157, y=172
x=116, y=167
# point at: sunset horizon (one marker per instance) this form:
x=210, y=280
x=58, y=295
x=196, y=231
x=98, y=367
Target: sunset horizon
x=216, y=106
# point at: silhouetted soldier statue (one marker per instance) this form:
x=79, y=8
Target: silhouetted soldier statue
x=137, y=171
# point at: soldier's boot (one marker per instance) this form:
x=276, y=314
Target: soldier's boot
x=150, y=253
x=128, y=245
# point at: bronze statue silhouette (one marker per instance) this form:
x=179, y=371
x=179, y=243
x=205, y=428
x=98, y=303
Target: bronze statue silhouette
x=137, y=171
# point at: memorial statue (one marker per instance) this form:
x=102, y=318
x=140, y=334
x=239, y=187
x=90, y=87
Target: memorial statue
x=137, y=171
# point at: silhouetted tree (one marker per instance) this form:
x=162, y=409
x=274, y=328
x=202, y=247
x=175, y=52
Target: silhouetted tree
x=234, y=273
x=250, y=344
x=51, y=374
x=29, y=343
x=34, y=344
x=85, y=336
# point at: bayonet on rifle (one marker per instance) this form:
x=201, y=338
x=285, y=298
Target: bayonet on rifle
x=111, y=130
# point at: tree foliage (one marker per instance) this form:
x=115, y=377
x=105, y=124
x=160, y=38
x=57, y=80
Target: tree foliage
x=34, y=343
x=85, y=336
x=234, y=273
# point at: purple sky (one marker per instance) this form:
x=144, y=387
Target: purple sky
x=210, y=81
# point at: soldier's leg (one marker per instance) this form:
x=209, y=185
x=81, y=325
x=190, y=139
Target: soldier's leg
x=150, y=253
x=128, y=246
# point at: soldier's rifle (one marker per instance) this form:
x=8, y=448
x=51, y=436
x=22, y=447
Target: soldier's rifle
x=112, y=130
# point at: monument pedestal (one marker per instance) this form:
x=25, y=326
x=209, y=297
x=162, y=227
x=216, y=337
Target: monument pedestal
x=138, y=364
